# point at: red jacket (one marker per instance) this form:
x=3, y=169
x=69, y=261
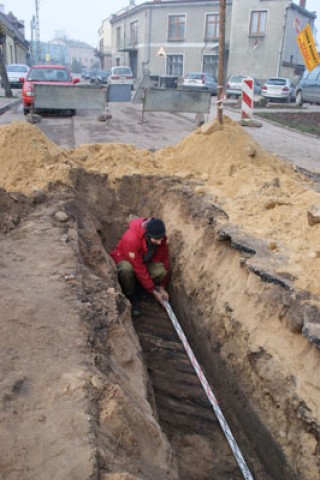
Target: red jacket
x=133, y=246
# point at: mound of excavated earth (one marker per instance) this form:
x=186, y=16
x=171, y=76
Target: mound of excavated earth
x=87, y=394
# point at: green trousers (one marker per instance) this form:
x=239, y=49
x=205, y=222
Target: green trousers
x=127, y=276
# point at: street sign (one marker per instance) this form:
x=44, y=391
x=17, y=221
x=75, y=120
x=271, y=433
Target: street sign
x=307, y=48
x=161, y=52
x=47, y=57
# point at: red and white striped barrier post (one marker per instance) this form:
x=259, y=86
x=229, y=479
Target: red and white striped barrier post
x=247, y=98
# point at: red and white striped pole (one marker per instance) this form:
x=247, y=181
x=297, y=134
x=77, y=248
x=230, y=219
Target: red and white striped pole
x=247, y=98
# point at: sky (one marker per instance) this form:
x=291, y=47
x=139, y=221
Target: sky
x=81, y=20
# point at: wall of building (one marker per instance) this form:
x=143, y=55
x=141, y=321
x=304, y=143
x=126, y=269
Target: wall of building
x=259, y=61
x=153, y=34
x=291, y=52
x=105, y=44
x=83, y=55
x=273, y=53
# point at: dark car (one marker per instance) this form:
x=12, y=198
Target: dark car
x=101, y=77
x=308, y=89
x=200, y=80
x=85, y=74
x=93, y=74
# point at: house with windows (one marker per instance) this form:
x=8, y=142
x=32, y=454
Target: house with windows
x=175, y=37
x=13, y=43
x=64, y=51
x=263, y=38
x=168, y=38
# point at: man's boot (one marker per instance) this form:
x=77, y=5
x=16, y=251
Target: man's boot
x=135, y=309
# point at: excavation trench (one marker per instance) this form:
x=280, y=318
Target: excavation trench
x=226, y=306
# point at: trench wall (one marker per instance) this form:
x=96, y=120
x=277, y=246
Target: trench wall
x=244, y=328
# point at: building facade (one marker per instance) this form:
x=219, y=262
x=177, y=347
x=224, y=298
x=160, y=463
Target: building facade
x=15, y=46
x=168, y=37
x=263, y=38
x=175, y=37
x=105, y=44
x=67, y=52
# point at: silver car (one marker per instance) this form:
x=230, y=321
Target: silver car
x=200, y=80
x=308, y=89
x=15, y=72
x=278, y=88
x=234, y=86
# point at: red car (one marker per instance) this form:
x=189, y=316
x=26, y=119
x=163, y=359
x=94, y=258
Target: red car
x=48, y=74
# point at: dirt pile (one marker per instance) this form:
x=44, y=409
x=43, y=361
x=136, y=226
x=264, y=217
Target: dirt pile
x=260, y=194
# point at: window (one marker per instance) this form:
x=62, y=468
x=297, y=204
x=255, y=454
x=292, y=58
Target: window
x=134, y=33
x=258, y=22
x=212, y=27
x=176, y=30
x=175, y=65
x=210, y=65
x=118, y=32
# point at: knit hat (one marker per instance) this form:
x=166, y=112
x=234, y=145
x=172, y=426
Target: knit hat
x=156, y=228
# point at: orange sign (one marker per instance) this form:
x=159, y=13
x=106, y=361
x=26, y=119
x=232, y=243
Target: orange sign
x=307, y=48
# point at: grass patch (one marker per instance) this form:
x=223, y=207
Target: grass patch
x=303, y=122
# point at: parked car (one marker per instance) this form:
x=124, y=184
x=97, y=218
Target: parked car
x=308, y=89
x=85, y=74
x=15, y=72
x=234, y=86
x=48, y=74
x=102, y=77
x=93, y=74
x=200, y=80
x=120, y=75
x=277, y=88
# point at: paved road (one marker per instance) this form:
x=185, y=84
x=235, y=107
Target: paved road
x=161, y=129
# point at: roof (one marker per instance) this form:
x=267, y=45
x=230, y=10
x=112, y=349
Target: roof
x=304, y=11
x=157, y=4
x=13, y=26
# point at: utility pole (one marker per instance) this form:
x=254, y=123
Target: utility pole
x=222, y=25
x=33, y=46
x=38, y=45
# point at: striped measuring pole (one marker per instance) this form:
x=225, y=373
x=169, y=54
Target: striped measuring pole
x=247, y=98
x=210, y=395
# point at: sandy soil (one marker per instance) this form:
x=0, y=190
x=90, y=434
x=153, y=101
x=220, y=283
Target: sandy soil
x=243, y=228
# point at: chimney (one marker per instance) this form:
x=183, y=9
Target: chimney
x=1, y=8
x=132, y=3
x=303, y=3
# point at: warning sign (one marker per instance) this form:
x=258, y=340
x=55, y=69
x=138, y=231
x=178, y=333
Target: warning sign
x=307, y=48
x=161, y=52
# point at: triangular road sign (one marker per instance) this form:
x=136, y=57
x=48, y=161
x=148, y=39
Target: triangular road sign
x=161, y=52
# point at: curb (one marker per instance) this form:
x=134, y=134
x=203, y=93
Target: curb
x=10, y=105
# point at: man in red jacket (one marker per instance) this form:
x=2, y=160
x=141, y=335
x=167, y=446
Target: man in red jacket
x=142, y=256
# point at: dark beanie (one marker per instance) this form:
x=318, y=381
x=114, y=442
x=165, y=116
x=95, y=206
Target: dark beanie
x=156, y=228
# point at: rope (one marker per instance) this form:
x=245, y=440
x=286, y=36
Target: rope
x=212, y=399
